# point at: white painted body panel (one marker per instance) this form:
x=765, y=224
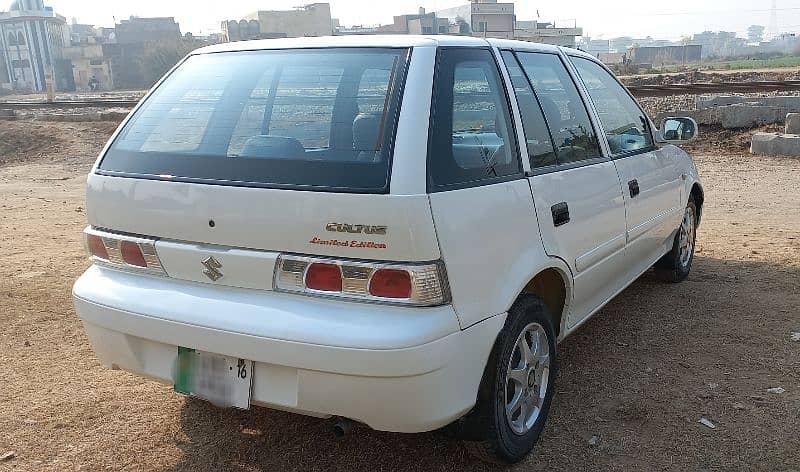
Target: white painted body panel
x=394, y=368
x=257, y=218
x=654, y=214
x=372, y=363
x=411, y=148
x=593, y=242
x=490, y=244
x=244, y=268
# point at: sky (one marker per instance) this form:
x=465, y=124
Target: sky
x=599, y=18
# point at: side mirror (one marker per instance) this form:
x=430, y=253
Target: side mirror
x=678, y=130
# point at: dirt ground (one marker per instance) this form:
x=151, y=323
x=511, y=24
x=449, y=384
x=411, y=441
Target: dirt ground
x=638, y=376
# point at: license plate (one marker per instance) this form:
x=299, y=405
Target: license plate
x=223, y=381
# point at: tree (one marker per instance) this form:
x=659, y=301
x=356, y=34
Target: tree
x=159, y=57
x=755, y=33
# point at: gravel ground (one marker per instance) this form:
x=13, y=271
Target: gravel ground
x=638, y=376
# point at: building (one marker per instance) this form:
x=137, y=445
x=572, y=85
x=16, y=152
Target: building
x=32, y=38
x=621, y=44
x=81, y=33
x=595, y=47
x=483, y=18
x=308, y=20
x=142, y=30
x=546, y=33
x=424, y=23
x=241, y=30
x=720, y=43
x=89, y=60
x=400, y=23
x=429, y=24
x=786, y=43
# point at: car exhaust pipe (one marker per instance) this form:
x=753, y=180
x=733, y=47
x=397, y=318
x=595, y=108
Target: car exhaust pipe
x=341, y=427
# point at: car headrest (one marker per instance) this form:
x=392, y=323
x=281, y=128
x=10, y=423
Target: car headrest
x=551, y=110
x=366, y=127
x=272, y=147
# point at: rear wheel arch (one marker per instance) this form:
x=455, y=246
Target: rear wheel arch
x=552, y=286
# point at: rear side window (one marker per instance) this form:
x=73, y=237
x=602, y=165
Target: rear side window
x=317, y=119
x=625, y=124
x=537, y=136
x=471, y=135
x=573, y=135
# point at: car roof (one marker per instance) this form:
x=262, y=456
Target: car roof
x=388, y=40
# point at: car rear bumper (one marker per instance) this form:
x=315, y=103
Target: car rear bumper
x=394, y=369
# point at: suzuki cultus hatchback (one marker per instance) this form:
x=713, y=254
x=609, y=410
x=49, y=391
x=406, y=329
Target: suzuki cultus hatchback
x=395, y=231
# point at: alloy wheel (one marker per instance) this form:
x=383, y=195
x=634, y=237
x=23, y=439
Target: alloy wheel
x=686, y=237
x=527, y=378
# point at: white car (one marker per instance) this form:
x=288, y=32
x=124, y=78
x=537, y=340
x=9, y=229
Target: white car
x=395, y=230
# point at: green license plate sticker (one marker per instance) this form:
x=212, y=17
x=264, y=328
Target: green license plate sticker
x=224, y=381
x=184, y=375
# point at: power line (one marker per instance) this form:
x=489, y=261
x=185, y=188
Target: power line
x=755, y=10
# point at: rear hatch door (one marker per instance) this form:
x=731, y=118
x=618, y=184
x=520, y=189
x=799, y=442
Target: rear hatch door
x=242, y=155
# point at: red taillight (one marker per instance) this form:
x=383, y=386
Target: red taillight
x=132, y=254
x=96, y=246
x=398, y=283
x=390, y=283
x=121, y=251
x=325, y=277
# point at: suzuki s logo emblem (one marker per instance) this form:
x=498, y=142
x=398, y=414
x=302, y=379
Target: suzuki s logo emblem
x=212, y=269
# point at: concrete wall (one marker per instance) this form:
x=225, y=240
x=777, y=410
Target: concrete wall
x=665, y=54
x=611, y=57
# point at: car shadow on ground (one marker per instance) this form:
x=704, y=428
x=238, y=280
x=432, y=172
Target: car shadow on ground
x=627, y=376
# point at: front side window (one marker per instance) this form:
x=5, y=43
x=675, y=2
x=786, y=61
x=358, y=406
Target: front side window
x=317, y=119
x=471, y=138
x=625, y=124
x=573, y=135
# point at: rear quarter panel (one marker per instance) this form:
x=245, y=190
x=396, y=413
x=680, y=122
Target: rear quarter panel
x=490, y=243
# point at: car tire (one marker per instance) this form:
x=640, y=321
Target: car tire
x=677, y=263
x=498, y=430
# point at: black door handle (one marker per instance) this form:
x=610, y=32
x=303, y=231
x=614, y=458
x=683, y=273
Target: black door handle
x=633, y=187
x=560, y=213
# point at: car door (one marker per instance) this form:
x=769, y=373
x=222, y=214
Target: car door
x=576, y=190
x=650, y=179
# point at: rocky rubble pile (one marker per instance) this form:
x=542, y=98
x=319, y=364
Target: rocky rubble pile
x=710, y=77
x=657, y=106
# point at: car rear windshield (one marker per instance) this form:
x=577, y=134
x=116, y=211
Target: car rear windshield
x=321, y=119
